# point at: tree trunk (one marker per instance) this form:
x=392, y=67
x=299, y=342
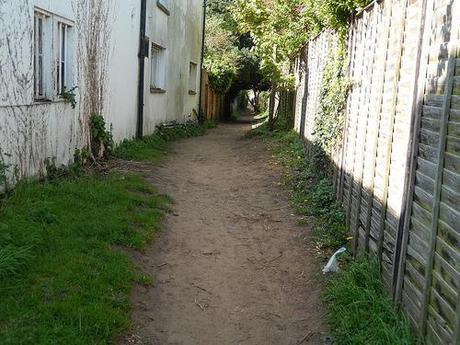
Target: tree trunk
x=256, y=101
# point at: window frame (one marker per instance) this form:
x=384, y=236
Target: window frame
x=52, y=55
x=41, y=21
x=157, y=68
x=63, y=58
x=193, y=76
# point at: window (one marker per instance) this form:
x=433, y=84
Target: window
x=62, y=71
x=40, y=27
x=53, y=42
x=193, y=73
x=157, y=78
x=163, y=5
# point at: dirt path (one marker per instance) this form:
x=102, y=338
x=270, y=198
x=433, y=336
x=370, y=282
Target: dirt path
x=232, y=266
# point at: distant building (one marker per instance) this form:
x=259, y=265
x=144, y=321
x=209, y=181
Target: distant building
x=53, y=50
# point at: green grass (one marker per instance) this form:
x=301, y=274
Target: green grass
x=154, y=147
x=64, y=278
x=360, y=311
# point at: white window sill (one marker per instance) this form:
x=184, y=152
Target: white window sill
x=157, y=90
x=48, y=101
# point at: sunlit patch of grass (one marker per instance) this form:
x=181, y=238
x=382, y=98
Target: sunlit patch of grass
x=360, y=312
x=62, y=281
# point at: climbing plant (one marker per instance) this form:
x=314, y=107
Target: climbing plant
x=94, y=34
x=3, y=173
x=333, y=96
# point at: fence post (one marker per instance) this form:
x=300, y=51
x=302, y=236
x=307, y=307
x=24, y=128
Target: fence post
x=271, y=108
x=303, y=110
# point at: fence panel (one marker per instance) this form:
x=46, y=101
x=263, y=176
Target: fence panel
x=309, y=71
x=431, y=270
x=399, y=175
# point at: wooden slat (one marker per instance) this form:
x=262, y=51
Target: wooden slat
x=366, y=111
x=377, y=109
x=398, y=49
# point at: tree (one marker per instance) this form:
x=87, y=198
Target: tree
x=279, y=28
x=229, y=59
x=221, y=58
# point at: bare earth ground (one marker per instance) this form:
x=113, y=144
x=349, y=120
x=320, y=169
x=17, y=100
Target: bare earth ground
x=231, y=266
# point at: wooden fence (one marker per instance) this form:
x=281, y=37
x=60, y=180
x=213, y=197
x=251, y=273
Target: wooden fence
x=399, y=166
x=212, y=104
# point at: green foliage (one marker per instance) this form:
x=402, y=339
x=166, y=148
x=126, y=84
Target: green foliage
x=228, y=58
x=154, y=147
x=279, y=29
x=221, y=59
x=62, y=278
x=360, y=311
x=263, y=101
x=69, y=96
x=3, y=174
x=328, y=127
x=242, y=99
x=334, y=14
x=101, y=137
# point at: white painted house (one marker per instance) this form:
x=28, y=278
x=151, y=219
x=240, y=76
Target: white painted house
x=98, y=46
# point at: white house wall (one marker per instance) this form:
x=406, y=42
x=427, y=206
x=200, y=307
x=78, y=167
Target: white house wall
x=123, y=73
x=32, y=133
x=180, y=34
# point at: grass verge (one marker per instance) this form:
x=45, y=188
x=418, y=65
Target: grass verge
x=359, y=310
x=154, y=147
x=62, y=277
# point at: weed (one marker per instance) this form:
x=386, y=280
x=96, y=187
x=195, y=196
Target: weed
x=69, y=96
x=144, y=280
x=61, y=278
x=101, y=138
x=3, y=176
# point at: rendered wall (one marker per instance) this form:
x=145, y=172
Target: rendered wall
x=105, y=69
x=179, y=32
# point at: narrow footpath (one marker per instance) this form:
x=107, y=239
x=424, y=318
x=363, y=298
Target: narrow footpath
x=231, y=265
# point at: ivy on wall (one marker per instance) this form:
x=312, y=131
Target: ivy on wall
x=329, y=122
